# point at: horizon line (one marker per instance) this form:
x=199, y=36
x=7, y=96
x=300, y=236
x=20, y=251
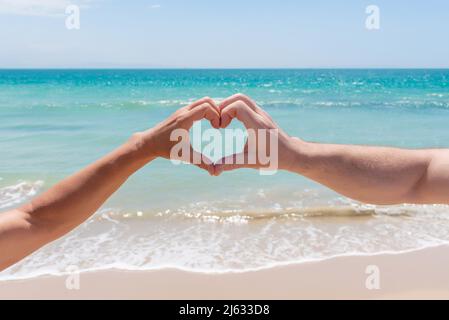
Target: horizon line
x=224, y=68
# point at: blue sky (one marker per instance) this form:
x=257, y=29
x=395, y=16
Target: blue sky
x=224, y=34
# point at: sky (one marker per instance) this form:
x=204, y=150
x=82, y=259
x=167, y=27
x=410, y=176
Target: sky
x=224, y=34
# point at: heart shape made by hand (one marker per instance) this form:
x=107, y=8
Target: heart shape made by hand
x=261, y=147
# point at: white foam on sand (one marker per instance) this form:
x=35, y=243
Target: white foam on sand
x=18, y=193
x=208, y=240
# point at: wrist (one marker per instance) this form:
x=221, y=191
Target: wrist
x=140, y=146
x=299, y=155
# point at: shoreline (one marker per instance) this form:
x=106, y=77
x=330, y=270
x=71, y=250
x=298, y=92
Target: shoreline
x=420, y=274
x=221, y=272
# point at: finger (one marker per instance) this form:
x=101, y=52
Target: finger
x=247, y=100
x=202, y=101
x=240, y=111
x=239, y=97
x=201, y=161
x=234, y=162
x=199, y=104
x=203, y=111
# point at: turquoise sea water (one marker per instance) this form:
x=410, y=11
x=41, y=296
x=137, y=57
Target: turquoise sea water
x=54, y=122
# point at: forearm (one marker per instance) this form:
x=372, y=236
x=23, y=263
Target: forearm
x=375, y=175
x=74, y=199
x=67, y=204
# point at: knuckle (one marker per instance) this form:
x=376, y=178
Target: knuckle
x=239, y=96
x=204, y=107
x=181, y=120
x=207, y=100
x=180, y=111
x=243, y=106
x=245, y=97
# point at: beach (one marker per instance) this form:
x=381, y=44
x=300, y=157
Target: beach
x=228, y=150
x=175, y=232
x=420, y=274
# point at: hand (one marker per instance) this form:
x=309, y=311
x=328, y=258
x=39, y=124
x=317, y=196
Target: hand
x=254, y=119
x=157, y=142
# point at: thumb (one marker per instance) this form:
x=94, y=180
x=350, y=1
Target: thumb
x=234, y=162
x=201, y=161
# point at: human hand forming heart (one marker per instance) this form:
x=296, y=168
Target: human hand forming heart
x=159, y=141
x=265, y=133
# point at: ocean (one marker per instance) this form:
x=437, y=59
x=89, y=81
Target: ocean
x=55, y=122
